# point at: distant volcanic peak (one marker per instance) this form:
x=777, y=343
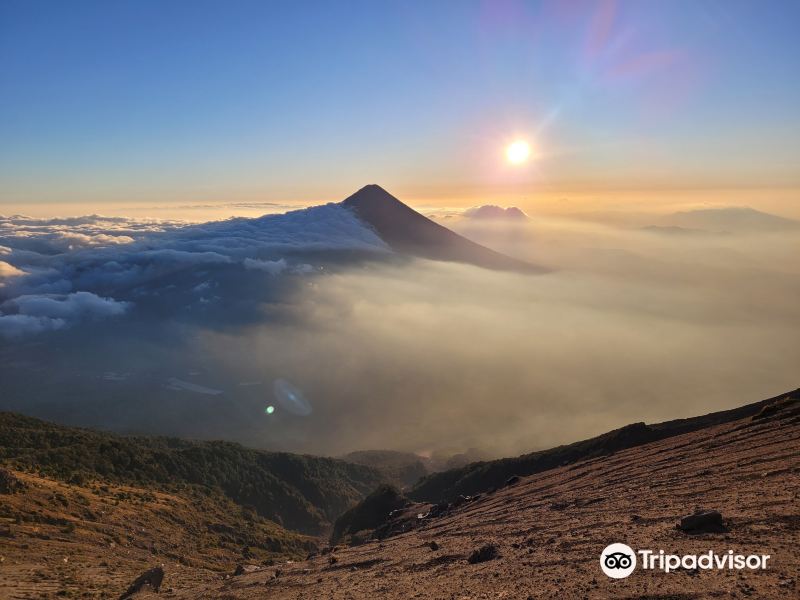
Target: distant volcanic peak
x=732, y=218
x=370, y=194
x=408, y=232
x=492, y=211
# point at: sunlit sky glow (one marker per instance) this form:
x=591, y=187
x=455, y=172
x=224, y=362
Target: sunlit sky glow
x=170, y=102
x=518, y=152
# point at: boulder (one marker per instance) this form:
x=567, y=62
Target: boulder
x=149, y=581
x=243, y=569
x=461, y=500
x=703, y=521
x=482, y=554
x=787, y=406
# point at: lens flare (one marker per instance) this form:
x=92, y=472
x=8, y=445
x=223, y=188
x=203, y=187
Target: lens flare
x=269, y=410
x=291, y=398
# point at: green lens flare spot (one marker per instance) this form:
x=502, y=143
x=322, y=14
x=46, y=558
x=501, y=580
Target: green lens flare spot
x=269, y=410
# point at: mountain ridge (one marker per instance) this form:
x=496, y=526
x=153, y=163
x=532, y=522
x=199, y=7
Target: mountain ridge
x=300, y=492
x=478, y=477
x=737, y=219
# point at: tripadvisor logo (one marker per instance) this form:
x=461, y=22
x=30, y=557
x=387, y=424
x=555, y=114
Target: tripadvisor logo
x=618, y=561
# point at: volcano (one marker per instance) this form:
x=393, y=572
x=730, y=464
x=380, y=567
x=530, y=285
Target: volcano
x=408, y=232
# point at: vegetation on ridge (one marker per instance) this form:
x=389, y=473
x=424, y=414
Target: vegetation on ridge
x=300, y=492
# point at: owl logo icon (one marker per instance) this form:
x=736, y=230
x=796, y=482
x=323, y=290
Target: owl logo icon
x=618, y=561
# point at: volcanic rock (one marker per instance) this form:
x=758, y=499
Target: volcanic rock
x=482, y=554
x=703, y=521
x=149, y=581
x=242, y=569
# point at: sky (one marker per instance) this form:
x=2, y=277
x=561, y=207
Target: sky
x=151, y=102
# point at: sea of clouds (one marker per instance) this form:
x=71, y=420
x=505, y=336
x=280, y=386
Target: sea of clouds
x=56, y=272
x=162, y=327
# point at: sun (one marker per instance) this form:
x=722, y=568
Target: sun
x=518, y=152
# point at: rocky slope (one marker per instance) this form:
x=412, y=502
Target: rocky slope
x=541, y=536
x=64, y=540
x=480, y=476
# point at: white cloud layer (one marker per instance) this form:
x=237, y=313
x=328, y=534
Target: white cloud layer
x=29, y=314
x=628, y=325
x=70, y=268
x=75, y=305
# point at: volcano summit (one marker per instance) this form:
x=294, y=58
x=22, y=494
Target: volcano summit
x=408, y=232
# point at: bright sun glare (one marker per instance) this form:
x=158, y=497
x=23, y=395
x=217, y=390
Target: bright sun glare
x=518, y=152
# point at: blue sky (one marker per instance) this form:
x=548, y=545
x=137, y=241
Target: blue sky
x=169, y=100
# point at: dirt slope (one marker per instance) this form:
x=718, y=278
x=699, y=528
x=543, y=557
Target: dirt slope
x=477, y=477
x=550, y=528
x=61, y=540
